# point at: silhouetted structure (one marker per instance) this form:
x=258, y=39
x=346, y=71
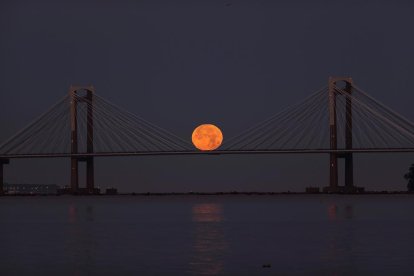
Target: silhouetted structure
x=312, y=190
x=111, y=191
x=76, y=99
x=31, y=189
x=334, y=120
x=3, y=161
x=410, y=177
x=333, y=128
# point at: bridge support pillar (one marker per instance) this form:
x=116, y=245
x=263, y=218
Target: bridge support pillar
x=334, y=156
x=75, y=100
x=74, y=175
x=90, y=177
x=349, y=159
x=2, y=162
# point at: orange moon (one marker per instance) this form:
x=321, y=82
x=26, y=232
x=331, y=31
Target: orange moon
x=207, y=137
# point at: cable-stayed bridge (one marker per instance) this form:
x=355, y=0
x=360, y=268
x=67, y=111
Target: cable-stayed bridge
x=339, y=119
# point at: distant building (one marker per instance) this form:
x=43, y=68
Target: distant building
x=111, y=191
x=344, y=190
x=80, y=191
x=312, y=190
x=30, y=189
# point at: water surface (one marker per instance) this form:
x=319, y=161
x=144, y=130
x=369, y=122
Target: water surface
x=207, y=235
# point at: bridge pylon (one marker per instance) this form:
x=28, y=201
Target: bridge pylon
x=333, y=132
x=3, y=161
x=75, y=99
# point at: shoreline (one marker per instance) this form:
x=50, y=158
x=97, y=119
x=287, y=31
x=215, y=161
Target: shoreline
x=217, y=194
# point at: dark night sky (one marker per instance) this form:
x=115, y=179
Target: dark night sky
x=182, y=63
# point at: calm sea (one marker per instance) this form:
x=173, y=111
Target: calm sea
x=207, y=235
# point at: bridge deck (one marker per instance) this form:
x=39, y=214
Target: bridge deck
x=216, y=152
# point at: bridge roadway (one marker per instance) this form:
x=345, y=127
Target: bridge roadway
x=215, y=152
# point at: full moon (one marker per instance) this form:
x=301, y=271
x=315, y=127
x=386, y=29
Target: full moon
x=207, y=137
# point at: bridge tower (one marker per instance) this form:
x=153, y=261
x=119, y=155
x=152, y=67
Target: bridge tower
x=334, y=156
x=3, y=161
x=77, y=98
